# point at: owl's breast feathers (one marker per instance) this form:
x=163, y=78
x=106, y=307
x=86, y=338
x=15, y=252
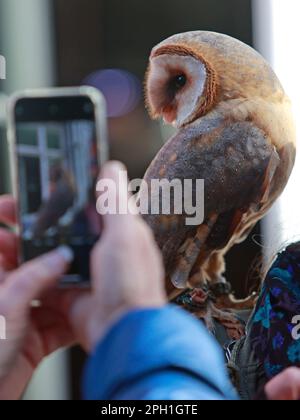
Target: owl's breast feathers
x=243, y=169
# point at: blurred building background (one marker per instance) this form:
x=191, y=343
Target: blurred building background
x=106, y=43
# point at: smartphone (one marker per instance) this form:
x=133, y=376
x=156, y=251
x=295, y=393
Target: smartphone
x=58, y=143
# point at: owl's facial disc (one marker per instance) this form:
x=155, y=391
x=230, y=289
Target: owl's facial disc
x=175, y=86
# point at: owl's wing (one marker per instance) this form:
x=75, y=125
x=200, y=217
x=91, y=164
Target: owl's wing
x=236, y=160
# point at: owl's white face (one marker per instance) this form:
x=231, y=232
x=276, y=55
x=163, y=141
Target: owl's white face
x=175, y=86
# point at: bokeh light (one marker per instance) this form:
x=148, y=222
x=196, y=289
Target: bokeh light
x=122, y=90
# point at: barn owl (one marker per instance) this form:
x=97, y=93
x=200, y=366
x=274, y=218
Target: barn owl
x=234, y=130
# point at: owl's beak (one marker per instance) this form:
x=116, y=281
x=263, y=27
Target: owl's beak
x=169, y=114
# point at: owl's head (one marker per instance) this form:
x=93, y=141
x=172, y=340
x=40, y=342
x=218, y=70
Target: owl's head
x=192, y=73
x=181, y=85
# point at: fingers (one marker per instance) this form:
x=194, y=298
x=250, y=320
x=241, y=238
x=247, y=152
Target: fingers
x=8, y=249
x=7, y=210
x=80, y=315
x=61, y=301
x=35, y=277
x=8, y=240
x=285, y=386
x=54, y=329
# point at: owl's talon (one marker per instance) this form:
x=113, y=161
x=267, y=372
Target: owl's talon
x=179, y=280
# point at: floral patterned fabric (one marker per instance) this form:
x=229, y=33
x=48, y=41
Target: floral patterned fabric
x=270, y=328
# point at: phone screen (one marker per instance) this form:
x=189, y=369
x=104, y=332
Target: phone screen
x=58, y=166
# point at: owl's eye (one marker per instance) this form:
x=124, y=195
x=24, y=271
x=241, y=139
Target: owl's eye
x=179, y=81
x=175, y=84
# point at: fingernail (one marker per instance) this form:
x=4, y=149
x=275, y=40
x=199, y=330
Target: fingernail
x=66, y=252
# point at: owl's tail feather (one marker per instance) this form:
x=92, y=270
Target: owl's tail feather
x=189, y=252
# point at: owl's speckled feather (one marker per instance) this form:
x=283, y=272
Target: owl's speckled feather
x=240, y=139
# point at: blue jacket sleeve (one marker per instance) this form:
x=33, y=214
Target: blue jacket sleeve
x=157, y=354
